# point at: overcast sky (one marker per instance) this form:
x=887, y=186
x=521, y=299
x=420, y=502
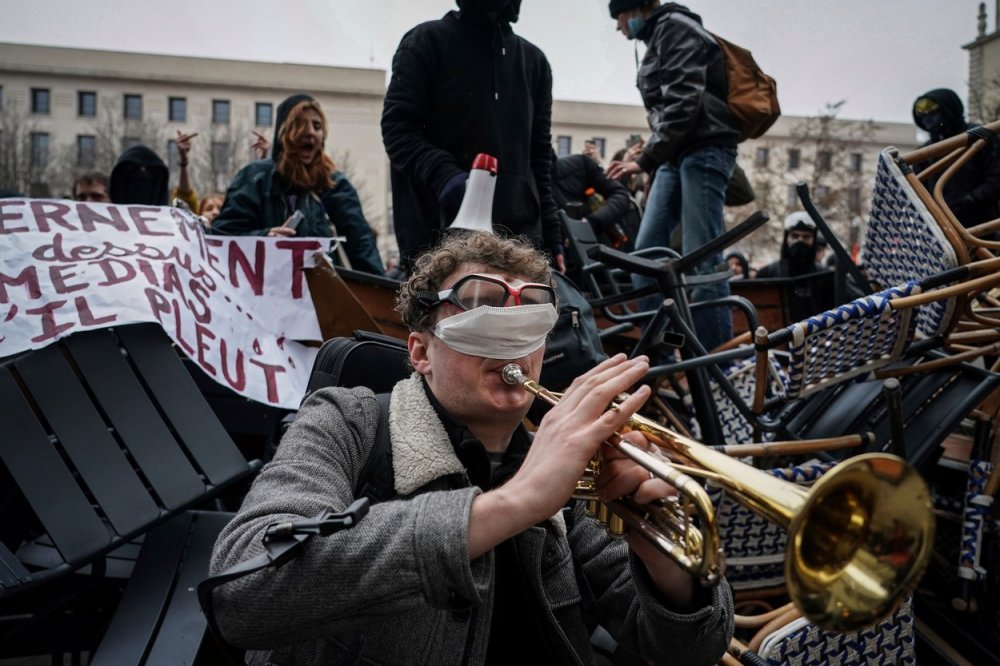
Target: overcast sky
x=878, y=55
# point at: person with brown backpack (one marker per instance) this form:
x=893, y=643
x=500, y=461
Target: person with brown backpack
x=691, y=150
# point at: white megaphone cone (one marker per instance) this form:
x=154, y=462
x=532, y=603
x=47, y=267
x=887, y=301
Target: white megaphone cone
x=476, y=211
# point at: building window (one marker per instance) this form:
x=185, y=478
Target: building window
x=39, y=150
x=794, y=158
x=263, y=114
x=177, y=109
x=762, y=190
x=220, y=111
x=856, y=162
x=854, y=200
x=86, y=151
x=824, y=160
x=761, y=157
x=792, y=199
x=600, y=142
x=129, y=141
x=133, y=107
x=86, y=104
x=220, y=156
x=564, y=146
x=822, y=193
x=40, y=100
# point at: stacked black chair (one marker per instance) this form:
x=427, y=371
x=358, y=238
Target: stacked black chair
x=107, y=448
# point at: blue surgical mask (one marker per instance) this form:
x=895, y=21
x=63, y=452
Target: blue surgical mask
x=635, y=25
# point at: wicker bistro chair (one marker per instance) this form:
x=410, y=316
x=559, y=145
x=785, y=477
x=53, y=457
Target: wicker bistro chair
x=911, y=235
x=755, y=552
x=755, y=547
x=947, y=158
x=846, y=343
x=801, y=643
x=903, y=243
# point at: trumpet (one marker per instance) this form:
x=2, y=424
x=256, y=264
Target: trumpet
x=859, y=539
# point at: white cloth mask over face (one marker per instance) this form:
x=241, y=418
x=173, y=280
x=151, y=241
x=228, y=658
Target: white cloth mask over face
x=501, y=333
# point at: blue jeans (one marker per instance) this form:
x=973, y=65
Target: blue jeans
x=692, y=195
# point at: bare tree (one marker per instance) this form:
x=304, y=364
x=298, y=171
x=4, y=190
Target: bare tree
x=112, y=134
x=21, y=168
x=829, y=155
x=984, y=102
x=345, y=164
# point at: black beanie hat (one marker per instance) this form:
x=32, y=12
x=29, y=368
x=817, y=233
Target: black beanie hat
x=616, y=7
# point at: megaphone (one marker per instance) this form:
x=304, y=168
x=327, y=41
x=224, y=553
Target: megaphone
x=476, y=211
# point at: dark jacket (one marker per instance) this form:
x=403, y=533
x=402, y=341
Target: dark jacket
x=807, y=296
x=139, y=177
x=256, y=201
x=682, y=80
x=262, y=203
x=572, y=176
x=399, y=588
x=460, y=86
x=973, y=193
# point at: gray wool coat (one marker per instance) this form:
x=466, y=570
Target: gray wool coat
x=399, y=587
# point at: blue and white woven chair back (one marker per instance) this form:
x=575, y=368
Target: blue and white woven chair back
x=735, y=427
x=848, y=342
x=904, y=243
x=755, y=547
x=801, y=643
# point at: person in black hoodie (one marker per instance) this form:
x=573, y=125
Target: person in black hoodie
x=973, y=193
x=798, y=259
x=139, y=177
x=612, y=221
x=299, y=176
x=463, y=85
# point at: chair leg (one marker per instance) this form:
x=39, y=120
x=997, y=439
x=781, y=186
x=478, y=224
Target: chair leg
x=892, y=390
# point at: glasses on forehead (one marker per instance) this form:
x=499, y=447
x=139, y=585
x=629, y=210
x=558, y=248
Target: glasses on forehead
x=473, y=291
x=925, y=105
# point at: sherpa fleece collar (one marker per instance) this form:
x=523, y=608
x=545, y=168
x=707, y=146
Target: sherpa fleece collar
x=421, y=449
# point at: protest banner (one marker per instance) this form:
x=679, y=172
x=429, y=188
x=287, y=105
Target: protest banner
x=237, y=306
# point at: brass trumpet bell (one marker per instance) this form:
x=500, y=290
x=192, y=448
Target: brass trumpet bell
x=858, y=540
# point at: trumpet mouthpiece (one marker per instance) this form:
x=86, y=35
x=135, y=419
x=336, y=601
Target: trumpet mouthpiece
x=512, y=374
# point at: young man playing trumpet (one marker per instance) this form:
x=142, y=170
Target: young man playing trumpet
x=475, y=560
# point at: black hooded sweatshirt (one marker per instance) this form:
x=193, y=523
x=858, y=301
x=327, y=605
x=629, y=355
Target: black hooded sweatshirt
x=973, y=193
x=463, y=85
x=139, y=177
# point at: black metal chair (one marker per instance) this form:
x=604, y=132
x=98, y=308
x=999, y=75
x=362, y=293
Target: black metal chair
x=107, y=440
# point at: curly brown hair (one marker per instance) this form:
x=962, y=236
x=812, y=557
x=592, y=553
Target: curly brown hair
x=512, y=256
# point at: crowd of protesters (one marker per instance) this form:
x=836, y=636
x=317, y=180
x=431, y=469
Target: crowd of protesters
x=665, y=189
x=481, y=555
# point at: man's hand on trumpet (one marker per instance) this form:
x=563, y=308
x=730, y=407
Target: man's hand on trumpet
x=621, y=476
x=566, y=440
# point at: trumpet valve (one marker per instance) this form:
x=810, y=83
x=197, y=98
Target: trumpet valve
x=615, y=525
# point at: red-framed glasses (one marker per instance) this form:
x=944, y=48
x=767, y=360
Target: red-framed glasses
x=475, y=290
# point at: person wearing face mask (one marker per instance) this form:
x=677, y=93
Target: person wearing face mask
x=139, y=177
x=460, y=86
x=798, y=259
x=798, y=249
x=691, y=150
x=480, y=556
x=973, y=193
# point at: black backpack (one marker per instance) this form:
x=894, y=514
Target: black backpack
x=378, y=362
x=574, y=345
